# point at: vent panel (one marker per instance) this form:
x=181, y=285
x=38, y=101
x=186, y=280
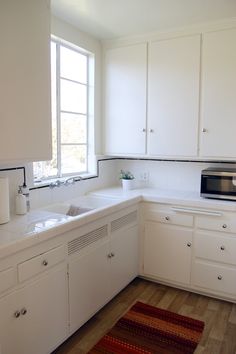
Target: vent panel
x=123, y=221
x=85, y=240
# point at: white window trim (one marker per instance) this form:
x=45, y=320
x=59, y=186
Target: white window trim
x=90, y=143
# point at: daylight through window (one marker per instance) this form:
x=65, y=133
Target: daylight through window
x=70, y=102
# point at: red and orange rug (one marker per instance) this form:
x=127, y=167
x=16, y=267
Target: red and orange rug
x=145, y=329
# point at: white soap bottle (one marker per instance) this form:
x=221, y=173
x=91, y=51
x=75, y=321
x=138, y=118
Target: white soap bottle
x=21, y=207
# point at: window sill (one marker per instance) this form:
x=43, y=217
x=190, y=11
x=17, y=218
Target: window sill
x=47, y=182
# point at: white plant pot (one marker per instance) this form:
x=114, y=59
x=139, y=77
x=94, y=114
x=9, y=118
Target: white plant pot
x=127, y=184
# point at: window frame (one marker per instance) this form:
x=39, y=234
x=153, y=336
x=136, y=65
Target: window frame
x=89, y=86
x=59, y=43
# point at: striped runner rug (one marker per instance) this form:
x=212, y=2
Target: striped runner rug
x=146, y=329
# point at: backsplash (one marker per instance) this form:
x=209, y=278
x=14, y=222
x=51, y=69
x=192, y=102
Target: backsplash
x=43, y=196
x=182, y=176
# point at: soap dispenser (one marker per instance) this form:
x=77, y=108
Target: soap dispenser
x=21, y=207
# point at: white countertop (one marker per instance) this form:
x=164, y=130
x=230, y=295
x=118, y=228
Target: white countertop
x=187, y=198
x=40, y=225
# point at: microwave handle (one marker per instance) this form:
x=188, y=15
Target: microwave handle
x=196, y=211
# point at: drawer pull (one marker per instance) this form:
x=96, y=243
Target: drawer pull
x=219, y=277
x=189, y=244
x=17, y=314
x=196, y=211
x=23, y=311
x=167, y=218
x=45, y=263
x=222, y=248
x=224, y=226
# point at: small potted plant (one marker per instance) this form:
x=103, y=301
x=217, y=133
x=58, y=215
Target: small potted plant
x=127, y=180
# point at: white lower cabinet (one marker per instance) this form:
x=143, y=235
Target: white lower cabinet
x=167, y=252
x=124, y=258
x=50, y=290
x=102, y=262
x=34, y=319
x=88, y=284
x=216, y=278
x=190, y=247
x=214, y=264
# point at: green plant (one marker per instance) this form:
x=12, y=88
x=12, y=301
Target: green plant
x=126, y=175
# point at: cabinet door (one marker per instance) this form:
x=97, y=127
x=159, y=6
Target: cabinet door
x=124, y=261
x=25, y=113
x=174, y=66
x=88, y=284
x=218, y=94
x=45, y=323
x=125, y=100
x=167, y=252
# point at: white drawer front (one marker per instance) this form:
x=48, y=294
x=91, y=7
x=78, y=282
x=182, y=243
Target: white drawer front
x=40, y=263
x=216, y=248
x=169, y=217
x=214, y=277
x=225, y=224
x=7, y=279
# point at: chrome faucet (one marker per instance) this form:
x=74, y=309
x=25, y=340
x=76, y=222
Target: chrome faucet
x=67, y=182
x=57, y=183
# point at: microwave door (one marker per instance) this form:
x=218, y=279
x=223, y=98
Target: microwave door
x=218, y=185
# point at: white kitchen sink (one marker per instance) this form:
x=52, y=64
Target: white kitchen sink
x=80, y=205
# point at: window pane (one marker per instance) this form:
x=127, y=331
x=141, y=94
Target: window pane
x=73, y=65
x=73, y=97
x=73, y=159
x=73, y=128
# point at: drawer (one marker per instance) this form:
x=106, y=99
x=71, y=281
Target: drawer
x=218, y=223
x=7, y=279
x=40, y=263
x=214, y=277
x=169, y=217
x=215, y=248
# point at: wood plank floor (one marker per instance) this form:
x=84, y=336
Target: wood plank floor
x=219, y=336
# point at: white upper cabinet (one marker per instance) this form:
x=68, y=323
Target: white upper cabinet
x=125, y=99
x=25, y=132
x=173, y=104
x=218, y=124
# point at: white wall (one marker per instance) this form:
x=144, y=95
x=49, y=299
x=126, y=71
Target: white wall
x=182, y=176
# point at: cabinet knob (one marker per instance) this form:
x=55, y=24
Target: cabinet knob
x=204, y=130
x=219, y=277
x=224, y=226
x=17, y=314
x=23, y=311
x=151, y=130
x=167, y=218
x=144, y=130
x=189, y=244
x=222, y=248
x=109, y=255
x=112, y=254
x=45, y=262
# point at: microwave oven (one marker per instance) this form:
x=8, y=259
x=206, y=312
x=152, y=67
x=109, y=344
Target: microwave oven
x=218, y=183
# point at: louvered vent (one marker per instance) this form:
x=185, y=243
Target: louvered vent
x=123, y=221
x=80, y=242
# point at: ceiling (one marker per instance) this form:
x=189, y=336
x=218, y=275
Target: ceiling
x=108, y=19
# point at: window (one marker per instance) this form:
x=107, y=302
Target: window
x=71, y=110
